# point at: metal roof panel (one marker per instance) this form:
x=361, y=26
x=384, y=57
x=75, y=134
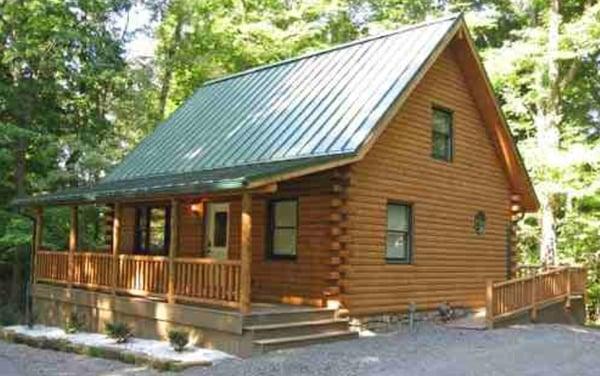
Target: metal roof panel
x=320, y=104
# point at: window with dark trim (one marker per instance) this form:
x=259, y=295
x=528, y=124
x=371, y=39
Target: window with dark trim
x=442, y=135
x=283, y=229
x=399, y=233
x=152, y=230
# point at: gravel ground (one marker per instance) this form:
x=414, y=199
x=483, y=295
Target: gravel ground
x=433, y=350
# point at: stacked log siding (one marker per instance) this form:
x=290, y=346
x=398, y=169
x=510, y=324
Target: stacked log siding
x=450, y=261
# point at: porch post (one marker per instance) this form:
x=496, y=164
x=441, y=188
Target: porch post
x=246, y=253
x=37, y=241
x=173, y=249
x=116, y=245
x=73, y=240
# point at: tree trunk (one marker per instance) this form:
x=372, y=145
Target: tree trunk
x=20, y=167
x=168, y=67
x=548, y=136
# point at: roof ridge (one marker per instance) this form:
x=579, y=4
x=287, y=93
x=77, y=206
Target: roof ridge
x=400, y=30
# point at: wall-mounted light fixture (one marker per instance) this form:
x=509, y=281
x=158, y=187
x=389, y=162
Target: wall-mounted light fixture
x=197, y=208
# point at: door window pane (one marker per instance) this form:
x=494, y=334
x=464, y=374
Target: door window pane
x=152, y=230
x=157, y=229
x=220, y=231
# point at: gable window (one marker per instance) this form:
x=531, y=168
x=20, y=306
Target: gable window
x=399, y=233
x=283, y=228
x=152, y=230
x=442, y=135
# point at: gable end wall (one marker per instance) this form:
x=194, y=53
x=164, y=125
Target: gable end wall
x=450, y=261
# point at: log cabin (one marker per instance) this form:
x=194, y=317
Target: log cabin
x=363, y=179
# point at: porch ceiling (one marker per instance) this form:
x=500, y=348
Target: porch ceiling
x=211, y=181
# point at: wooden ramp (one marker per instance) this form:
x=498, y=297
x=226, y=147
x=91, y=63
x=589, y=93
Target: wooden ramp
x=509, y=299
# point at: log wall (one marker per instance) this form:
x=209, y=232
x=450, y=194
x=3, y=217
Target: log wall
x=450, y=261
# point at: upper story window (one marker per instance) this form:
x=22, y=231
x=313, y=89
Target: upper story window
x=399, y=233
x=283, y=228
x=152, y=229
x=442, y=135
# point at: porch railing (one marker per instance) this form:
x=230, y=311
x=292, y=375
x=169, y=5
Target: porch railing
x=92, y=269
x=52, y=267
x=207, y=280
x=529, y=293
x=196, y=280
x=143, y=275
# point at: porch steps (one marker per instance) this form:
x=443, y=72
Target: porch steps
x=293, y=328
x=265, y=345
x=282, y=317
x=272, y=331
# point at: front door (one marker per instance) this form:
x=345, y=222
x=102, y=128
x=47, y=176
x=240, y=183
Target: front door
x=217, y=230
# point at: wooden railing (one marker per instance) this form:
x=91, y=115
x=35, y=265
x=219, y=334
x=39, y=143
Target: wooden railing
x=208, y=280
x=195, y=280
x=512, y=297
x=143, y=275
x=92, y=269
x=52, y=266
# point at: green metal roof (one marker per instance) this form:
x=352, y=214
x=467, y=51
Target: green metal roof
x=217, y=180
x=325, y=104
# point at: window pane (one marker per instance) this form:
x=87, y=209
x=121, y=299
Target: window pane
x=157, y=229
x=398, y=217
x=442, y=135
x=441, y=146
x=285, y=214
x=220, y=233
x=397, y=245
x=284, y=242
x=442, y=122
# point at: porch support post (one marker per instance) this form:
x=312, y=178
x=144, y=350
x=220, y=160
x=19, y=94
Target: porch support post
x=246, y=253
x=73, y=240
x=173, y=249
x=116, y=245
x=37, y=241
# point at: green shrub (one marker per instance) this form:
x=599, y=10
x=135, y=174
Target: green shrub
x=9, y=315
x=74, y=324
x=178, y=339
x=119, y=331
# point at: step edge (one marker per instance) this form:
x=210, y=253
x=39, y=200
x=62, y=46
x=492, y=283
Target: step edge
x=294, y=324
x=277, y=341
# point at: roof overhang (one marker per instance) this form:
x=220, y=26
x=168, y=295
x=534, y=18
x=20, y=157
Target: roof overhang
x=225, y=181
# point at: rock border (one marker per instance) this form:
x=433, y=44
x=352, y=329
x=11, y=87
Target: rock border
x=125, y=356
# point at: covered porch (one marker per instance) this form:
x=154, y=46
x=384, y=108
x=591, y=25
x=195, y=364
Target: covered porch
x=178, y=250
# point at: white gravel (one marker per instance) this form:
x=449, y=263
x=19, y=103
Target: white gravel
x=157, y=349
x=549, y=350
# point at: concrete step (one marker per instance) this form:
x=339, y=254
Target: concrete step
x=265, y=345
x=296, y=315
x=293, y=329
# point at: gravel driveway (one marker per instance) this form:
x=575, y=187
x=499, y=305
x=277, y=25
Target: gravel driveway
x=433, y=350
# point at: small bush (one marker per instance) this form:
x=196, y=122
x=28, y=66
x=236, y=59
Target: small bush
x=9, y=315
x=119, y=331
x=178, y=339
x=74, y=323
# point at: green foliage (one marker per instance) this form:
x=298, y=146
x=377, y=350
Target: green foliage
x=9, y=315
x=119, y=331
x=74, y=323
x=179, y=339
